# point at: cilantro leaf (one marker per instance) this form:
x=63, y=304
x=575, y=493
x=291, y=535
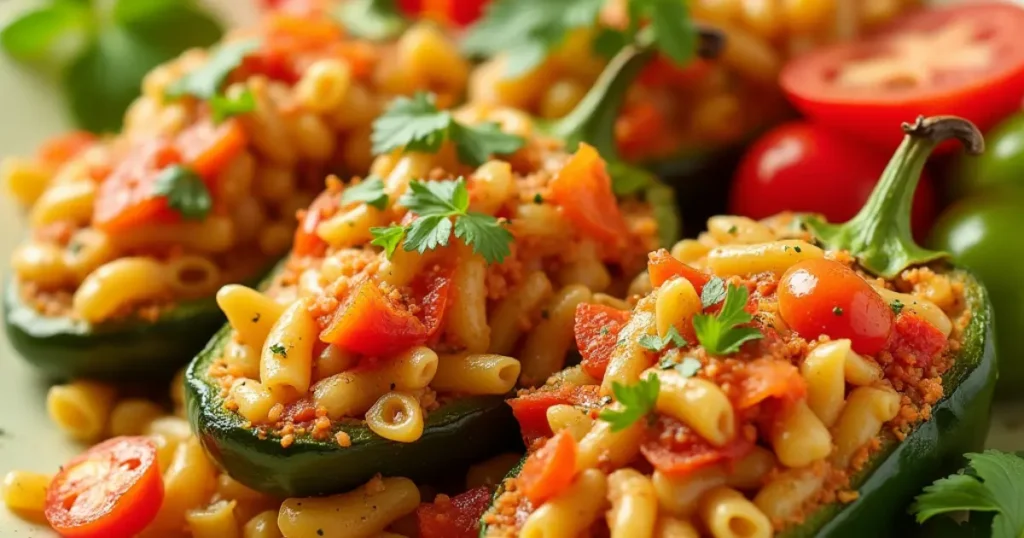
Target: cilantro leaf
x=185, y=191
x=427, y=198
x=223, y=107
x=994, y=482
x=42, y=34
x=673, y=34
x=278, y=349
x=487, y=237
x=897, y=306
x=720, y=334
x=387, y=237
x=609, y=42
x=370, y=191
x=206, y=81
x=637, y=401
x=416, y=124
x=656, y=344
x=528, y=29
x=689, y=367
x=427, y=233
x=376, y=20
x=713, y=292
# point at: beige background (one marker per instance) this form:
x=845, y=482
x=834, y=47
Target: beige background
x=30, y=111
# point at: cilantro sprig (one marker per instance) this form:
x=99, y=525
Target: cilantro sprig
x=993, y=483
x=688, y=367
x=370, y=191
x=637, y=402
x=416, y=124
x=441, y=207
x=100, y=51
x=722, y=334
x=185, y=192
x=207, y=81
x=713, y=292
x=655, y=343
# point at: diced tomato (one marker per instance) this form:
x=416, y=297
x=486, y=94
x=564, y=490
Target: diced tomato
x=307, y=242
x=531, y=408
x=61, y=149
x=549, y=471
x=301, y=410
x=822, y=296
x=113, y=490
x=455, y=517
x=677, y=451
x=762, y=379
x=370, y=323
x=916, y=340
x=640, y=130
x=584, y=191
x=288, y=36
x=662, y=266
x=597, y=330
x=209, y=148
x=125, y=198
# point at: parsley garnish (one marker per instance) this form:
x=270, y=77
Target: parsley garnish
x=713, y=292
x=207, y=80
x=797, y=249
x=837, y=310
x=185, y=192
x=538, y=199
x=435, y=204
x=656, y=344
x=278, y=349
x=688, y=367
x=416, y=124
x=223, y=107
x=897, y=306
x=732, y=230
x=370, y=191
x=721, y=334
x=637, y=402
x=376, y=20
x=993, y=482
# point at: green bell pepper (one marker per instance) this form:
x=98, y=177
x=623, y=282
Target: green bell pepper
x=880, y=238
x=1000, y=167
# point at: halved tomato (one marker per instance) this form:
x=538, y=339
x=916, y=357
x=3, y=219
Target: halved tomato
x=966, y=60
x=113, y=490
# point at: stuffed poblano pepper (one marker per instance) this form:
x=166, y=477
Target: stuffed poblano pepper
x=131, y=235
x=786, y=377
x=417, y=297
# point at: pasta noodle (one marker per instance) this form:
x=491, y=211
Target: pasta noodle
x=358, y=514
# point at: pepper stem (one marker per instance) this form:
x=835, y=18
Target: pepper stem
x=880, y=235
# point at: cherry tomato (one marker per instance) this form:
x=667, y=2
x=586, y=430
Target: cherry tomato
x=369, y=323
x=584, y=191
x=125, y=198
x=549, y=470
x=113, y=490
x=966, y=60
x=597, y=332
x=821, y=296
x=803, y=166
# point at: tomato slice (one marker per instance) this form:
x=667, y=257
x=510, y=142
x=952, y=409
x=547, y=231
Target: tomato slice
x=966, y=60
x=662, y=267
x=823, y=296
x=62, y=148
x=677, y=451
x=209, y=148
x=307, y=242
x=113, y=490
x=455, y=517
x=549, y=471
x=764, y=379
x=597, y=331
x=531, y=408
x=370, y=323
x=916, y=341
x=584, y=191
x=125, y=198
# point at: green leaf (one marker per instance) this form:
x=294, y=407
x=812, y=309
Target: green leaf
x=689, y=367
x=387, y=237
x=897, y=306
x=713, y=292
x=170, y=26
x=476, y=144
x=657, y=344
x=413, y=122
x=673, y=33
x=427, y=198
x=637, y=401
x=609, y=42
x=369, y=191
x=223, y=107
x=376, y=20
x=428, y=233
x=278, y=349
x=185, y=192
x=486, y=235
x=721, y=334
x=207, y=80
x=48, y=34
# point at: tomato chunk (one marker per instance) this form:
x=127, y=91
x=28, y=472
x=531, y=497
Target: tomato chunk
x=916, y=341
x=549, y=471
x=584, y=191
x=370, y=323
x=125, y=198
x=454, y=517
x=113, y=490
x=307, y=242
x=677, y=451
x=662, y=267
x=821, y=296
x=597, y=331
x=209, y=148
x=531, y=408
x=61, y=149
x=762, y=379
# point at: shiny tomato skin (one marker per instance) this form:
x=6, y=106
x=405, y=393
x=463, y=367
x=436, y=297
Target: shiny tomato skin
x=549, y=470
x=113, y=490
x=806, y=167
x=821, y=296
x=871, y=113
x=583, y=189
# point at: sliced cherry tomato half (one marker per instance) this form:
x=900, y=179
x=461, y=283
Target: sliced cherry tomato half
x=804, y=166
x=125, y=198
x=113, y=490
x=821, y=296
x=455, y=517
x=370, y=323
x=584, y=191
x=549, y=471
x=966, y=60
x=662, y=267
x=597, y=331
x=677, y=451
